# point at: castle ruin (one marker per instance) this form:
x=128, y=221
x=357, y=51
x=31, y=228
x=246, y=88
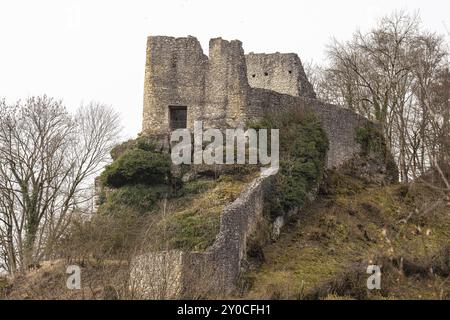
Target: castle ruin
x=229, y=88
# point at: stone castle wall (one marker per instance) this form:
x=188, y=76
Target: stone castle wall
x=215, y=89
x=226, y=89
x=338, y=123
x=279, y=72
x=229, y=88
x=178, y=274
x=177, y=73
x=174, y=75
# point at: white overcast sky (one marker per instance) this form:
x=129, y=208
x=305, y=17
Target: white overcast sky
x=95, y=49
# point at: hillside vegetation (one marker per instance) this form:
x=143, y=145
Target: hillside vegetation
x=321, y=254
x=324, y=252
x=360, y=216
x=145, y=205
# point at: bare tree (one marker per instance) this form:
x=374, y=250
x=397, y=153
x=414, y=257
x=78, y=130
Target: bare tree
x=395, y=74
x=47, y=158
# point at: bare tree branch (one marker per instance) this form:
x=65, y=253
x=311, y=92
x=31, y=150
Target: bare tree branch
x=47, y=159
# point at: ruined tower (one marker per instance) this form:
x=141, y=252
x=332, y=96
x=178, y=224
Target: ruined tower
x=230, y=89
x=280, y=72
x=182, y=84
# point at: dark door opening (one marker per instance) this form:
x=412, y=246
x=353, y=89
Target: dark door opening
x=178, y=117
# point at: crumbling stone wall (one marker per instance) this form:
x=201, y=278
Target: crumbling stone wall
x=279, y=72
x=221, y=91
x=229, y=89
x=215, y=89
x=177, y=73
x=174, y=76
x=157, y=275
x=213, y=272
x=226, y=88
x=338, y=123
x=340, y=126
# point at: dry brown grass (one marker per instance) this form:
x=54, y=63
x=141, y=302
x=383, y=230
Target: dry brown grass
x=327, y=250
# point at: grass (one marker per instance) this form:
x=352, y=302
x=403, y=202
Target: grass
x=192, y=221
x=353, y=224
x=139, y=198
x=100, y=281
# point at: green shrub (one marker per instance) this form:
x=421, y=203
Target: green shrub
x=141, y=143
x=193, y=231
x=303, y=150
x=370, y=139
x=140, y=176
x=139, y=198
x=138, y=166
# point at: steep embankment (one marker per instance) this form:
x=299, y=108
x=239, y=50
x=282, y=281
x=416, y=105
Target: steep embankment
x=322, y=254
x=325, y=252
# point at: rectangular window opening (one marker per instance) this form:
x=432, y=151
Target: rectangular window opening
x=178, y=117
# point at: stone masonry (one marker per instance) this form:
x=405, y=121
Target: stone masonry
x=229, y=89
x=181, y=274
x=226, y=89
x=279, y=72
